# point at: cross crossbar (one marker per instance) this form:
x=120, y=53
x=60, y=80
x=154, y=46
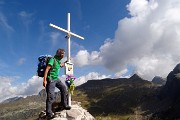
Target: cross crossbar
x=66, y=31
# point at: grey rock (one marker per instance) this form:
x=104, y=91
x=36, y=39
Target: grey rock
x=75, y=113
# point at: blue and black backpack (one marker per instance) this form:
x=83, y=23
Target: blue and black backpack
x=43, y=62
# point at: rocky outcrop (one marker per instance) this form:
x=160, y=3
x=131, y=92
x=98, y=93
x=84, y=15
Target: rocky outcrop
x=171, y=88
x=75, y=113
x=168, y=104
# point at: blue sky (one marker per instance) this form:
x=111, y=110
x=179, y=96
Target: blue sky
x=25, y=33
x=122, y=37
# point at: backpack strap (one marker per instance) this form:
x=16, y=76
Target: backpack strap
x=54, y=62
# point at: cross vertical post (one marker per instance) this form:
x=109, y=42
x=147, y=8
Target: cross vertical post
x=68, y=65
x=68, y=43
x=69, y=54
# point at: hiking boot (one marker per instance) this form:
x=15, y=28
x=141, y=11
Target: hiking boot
x=50, y=116
x=67, y=107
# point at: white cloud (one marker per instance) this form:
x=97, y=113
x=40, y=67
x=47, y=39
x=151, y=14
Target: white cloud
x=7, y=90
x=21, y=61
x=25, y=15
x=90, y=76
x=4, y=23
x=5, y=86
x=81, y=59
x=84, y=58
x=137, y=7
x=27, y=18
x=121, y=73
x=148, y=40
x=151, y=66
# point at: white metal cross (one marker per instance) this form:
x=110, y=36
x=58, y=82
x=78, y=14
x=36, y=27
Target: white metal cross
x=69, y=33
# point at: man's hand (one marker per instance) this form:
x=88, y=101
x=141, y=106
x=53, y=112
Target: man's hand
x=63, y=64
x=45, y=75
x=44, y=83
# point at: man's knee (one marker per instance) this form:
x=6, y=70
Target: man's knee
x=64, y=88
x=60, y=85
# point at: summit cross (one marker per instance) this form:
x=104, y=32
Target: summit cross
x=69, y=34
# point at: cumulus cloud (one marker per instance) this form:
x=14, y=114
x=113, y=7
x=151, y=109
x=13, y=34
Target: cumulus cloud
x=5, y=85
x=90, y=76
x=148, y=40
x=84, y=58
x=122, y=73
x=7, y=90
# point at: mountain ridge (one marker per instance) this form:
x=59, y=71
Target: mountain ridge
x=121, y=98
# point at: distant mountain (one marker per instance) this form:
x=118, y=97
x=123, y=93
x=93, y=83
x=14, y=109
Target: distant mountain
x=122, y=98
x=136, y=77
x=9, y=100
x=22, y=108
x=159, y=80
x=135, y=97
x=115, y=96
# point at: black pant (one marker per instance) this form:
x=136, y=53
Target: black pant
x=50, y=87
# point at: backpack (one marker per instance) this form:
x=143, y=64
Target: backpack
x=43, y=62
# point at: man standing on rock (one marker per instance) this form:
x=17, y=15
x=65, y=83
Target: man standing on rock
x=51, y=81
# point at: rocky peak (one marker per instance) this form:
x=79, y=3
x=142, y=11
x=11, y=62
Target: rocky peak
x=177, y=69
x=158, y=80
x=135, y=77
